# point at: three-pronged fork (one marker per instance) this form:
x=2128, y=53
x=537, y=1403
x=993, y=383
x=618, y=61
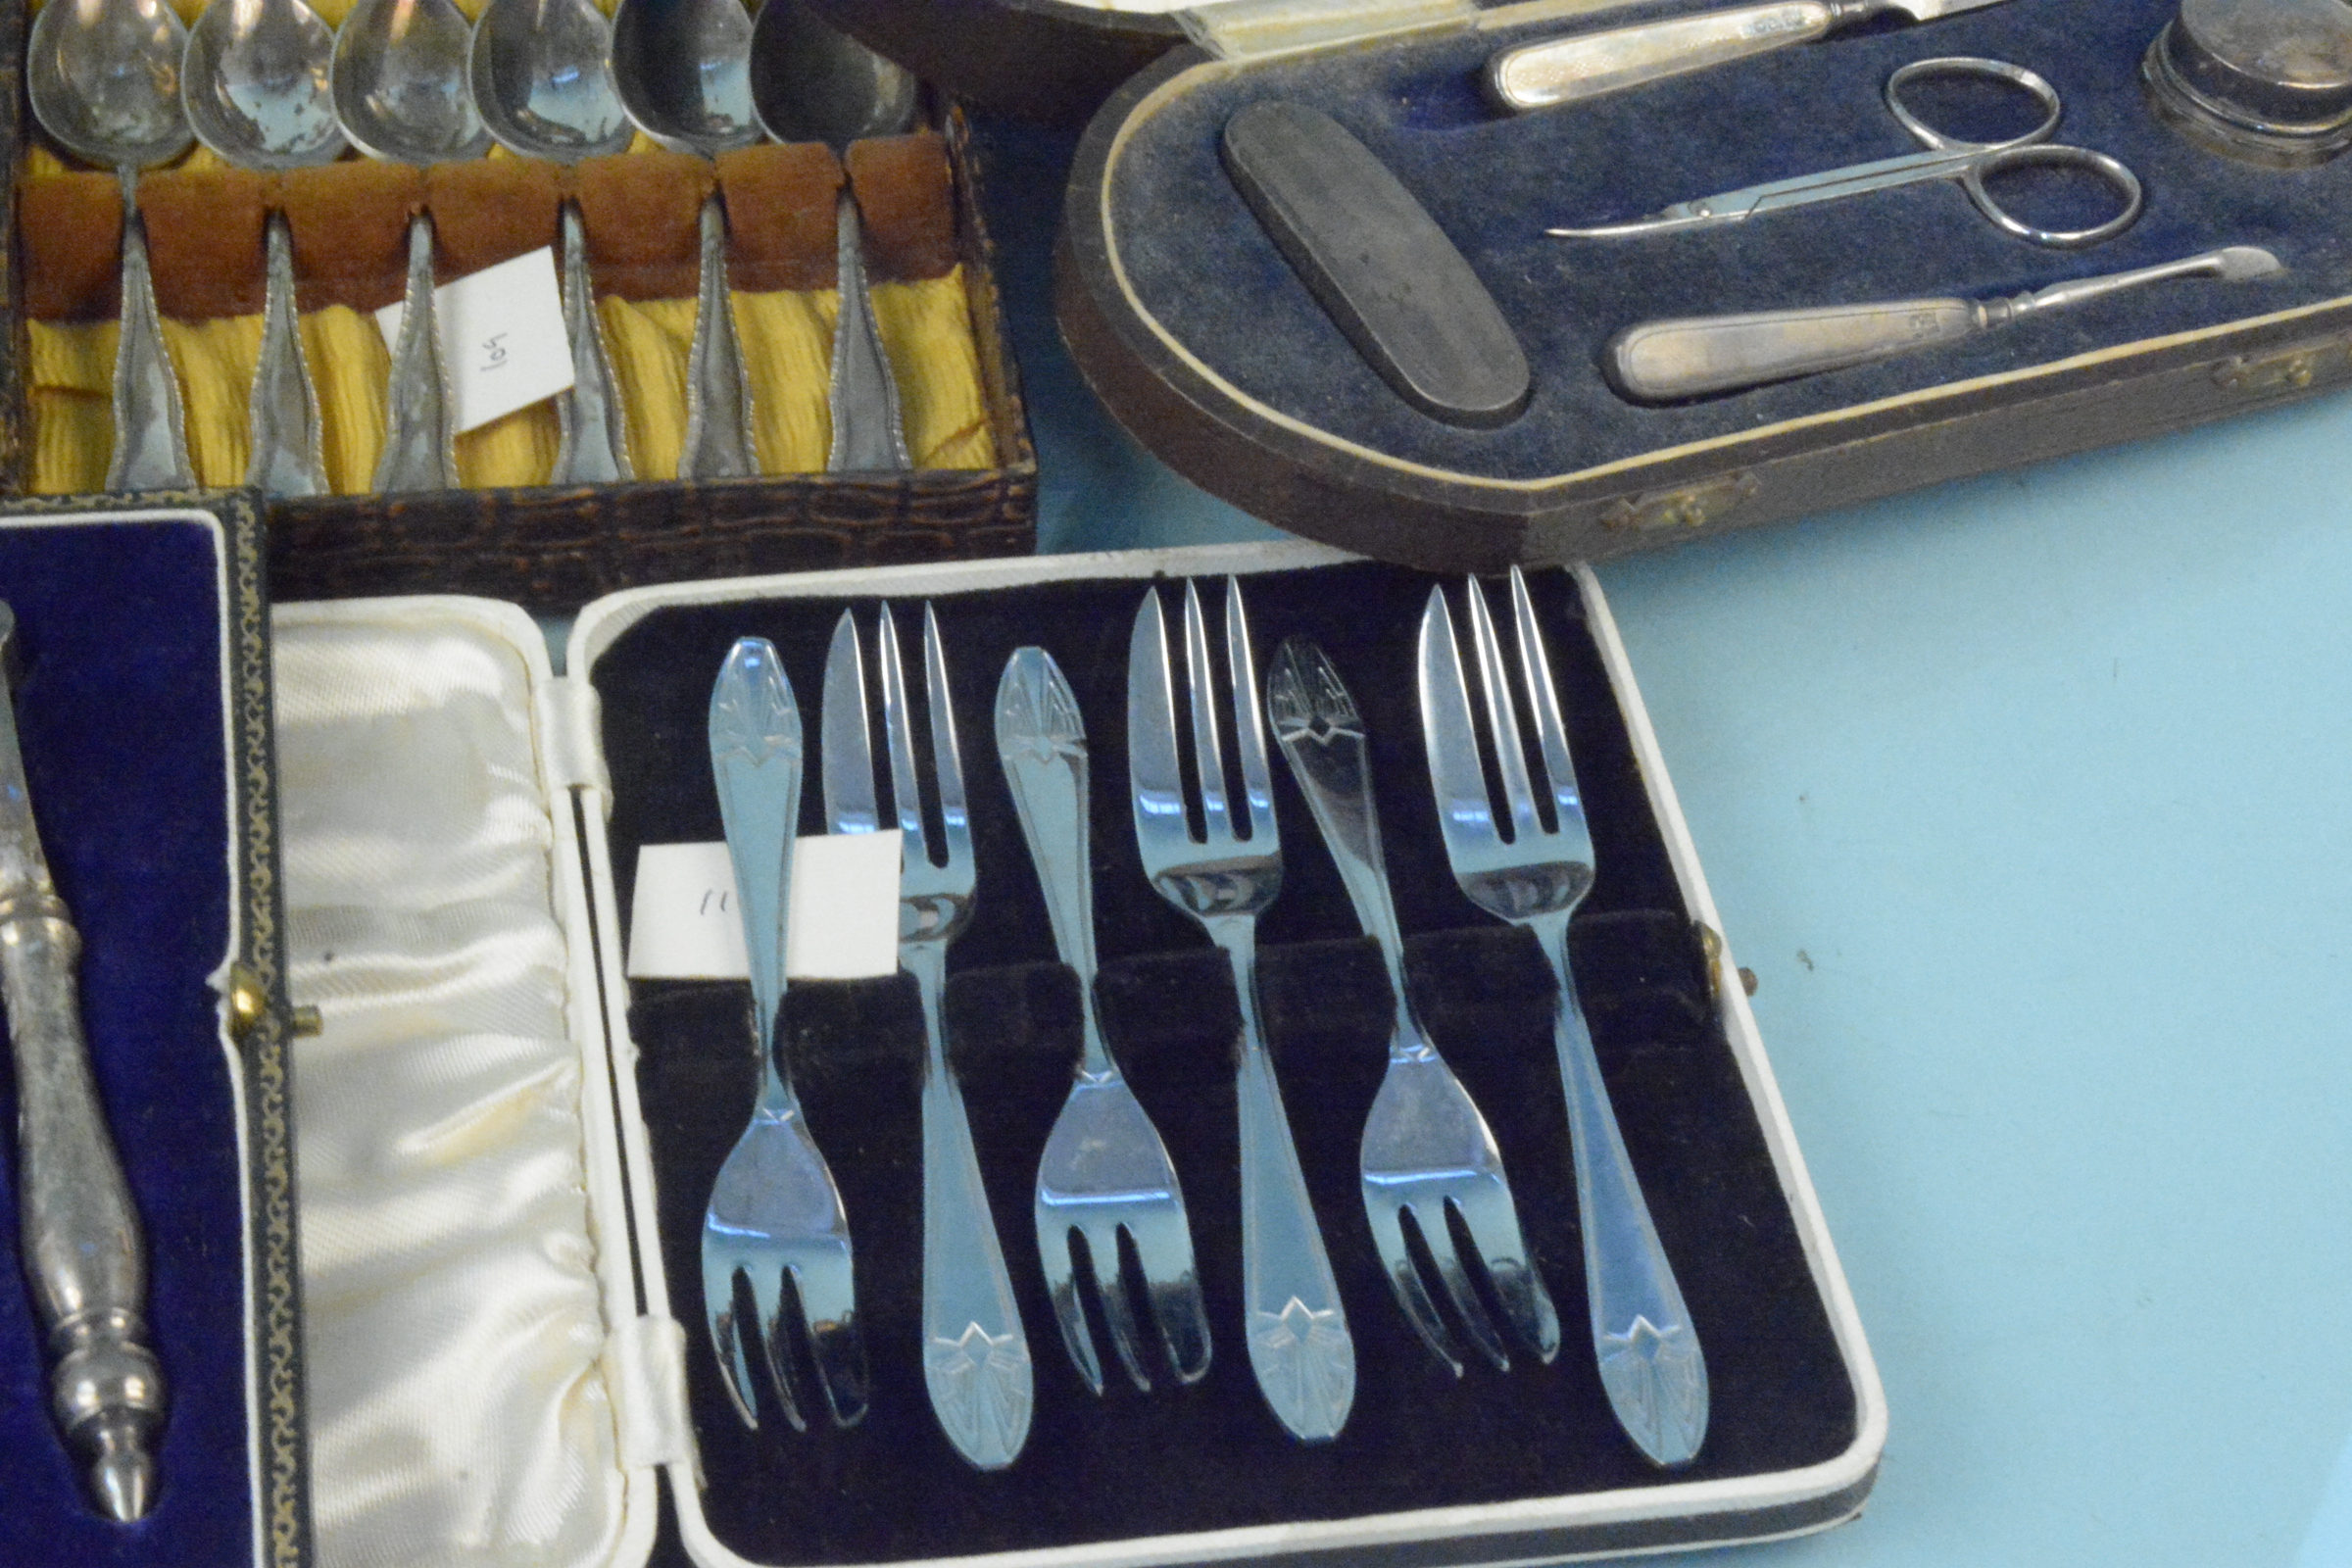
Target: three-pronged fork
x=975, y=1358
x=1298, y=1341
x=1536, y=877
x=775, y=1210
x=1104, y=1173
x=1429, y=1158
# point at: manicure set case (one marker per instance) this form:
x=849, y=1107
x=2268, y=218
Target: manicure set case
x=507, y=534
x=508, y=1143
x=141, y=689
x=1189, y=321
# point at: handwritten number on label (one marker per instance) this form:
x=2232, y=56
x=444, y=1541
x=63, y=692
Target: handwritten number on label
x=494, y=352
x=715, y=900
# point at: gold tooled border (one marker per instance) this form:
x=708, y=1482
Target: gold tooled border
x=264, y=1051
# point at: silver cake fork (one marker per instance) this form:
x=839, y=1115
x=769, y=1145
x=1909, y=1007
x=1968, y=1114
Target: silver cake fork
x=975, y=1357
x=775, y=1210
x=1104, y=1173
x=1429, y=1158
x=1298, y=1341
x=1649, y=1355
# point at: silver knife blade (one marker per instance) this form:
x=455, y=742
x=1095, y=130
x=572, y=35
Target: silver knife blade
x=1930, y=10
x=845, y=743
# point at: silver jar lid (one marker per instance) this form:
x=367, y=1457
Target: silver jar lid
x=2268, y=81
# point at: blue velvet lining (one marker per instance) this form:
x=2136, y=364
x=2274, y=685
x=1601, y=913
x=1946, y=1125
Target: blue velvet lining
x=1200, y=263
x=119, y=704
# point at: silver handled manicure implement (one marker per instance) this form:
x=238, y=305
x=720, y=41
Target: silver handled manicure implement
x=83, y=1252
x=1659, y=361
x=1971, y=165
x=1594, y=65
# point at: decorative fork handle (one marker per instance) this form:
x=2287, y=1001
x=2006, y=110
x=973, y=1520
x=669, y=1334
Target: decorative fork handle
x=755, y=754
x=1300, y=1346
x=975, y=1357
x=83, y=1252
x=1041, y=740
x=1649, y=1354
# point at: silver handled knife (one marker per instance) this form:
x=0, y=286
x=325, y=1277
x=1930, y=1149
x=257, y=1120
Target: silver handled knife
x=83, y=1252
x=1592, y=64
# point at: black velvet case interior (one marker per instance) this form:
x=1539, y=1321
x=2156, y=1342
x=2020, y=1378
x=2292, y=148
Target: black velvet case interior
x=120, y=706
x=1495, y=182
x=1208, y=1456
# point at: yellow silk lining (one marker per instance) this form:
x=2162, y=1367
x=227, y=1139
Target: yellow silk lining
x=787, y=348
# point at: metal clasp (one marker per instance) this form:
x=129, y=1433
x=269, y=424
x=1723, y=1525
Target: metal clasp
x=1693, y=507
x=249, y=1005
x=2290, y=371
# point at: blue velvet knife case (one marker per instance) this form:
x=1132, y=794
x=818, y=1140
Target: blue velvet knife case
x=142, y=699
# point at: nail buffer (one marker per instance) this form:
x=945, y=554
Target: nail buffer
x=1378, y=264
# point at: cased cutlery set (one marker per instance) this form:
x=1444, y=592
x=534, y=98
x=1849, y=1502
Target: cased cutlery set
x=1112, y=1235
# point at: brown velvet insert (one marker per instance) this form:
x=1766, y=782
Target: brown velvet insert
x=351, y=232
x=639, y=210
x=204, y=233
x=70, y=228
x=350, y=220
x=780, y=202
x=908, y=203
x=489, y=210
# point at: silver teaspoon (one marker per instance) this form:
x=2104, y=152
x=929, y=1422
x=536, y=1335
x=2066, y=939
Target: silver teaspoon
x=682, y=70
x=543, y=88
x=399, y=91
x=103, y=77
x=256, y=89
x=813, y=81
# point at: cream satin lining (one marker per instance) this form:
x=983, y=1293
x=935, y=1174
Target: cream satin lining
x=451, y=1316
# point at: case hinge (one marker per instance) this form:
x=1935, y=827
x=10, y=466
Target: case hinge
x=645, y=1369
x=569, y=721
x=1691, y=507
x=2289, y=371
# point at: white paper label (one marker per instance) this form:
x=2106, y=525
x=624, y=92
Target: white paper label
x=502, y=337
x=843, y=925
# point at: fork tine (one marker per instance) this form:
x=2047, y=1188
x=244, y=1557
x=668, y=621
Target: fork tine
x=1494, y=1227
x=1164, y=1245
x=1152, y=777
x=726, y=1336
x=1249, y=726
x=1119, y=1314
x=955, y=822
x=1543, y=703
x=897, y=730
x=768, y=1300
x=829, y=1303
x=1502, y=719
x=1054, y=1252
x=1209, y=757
x=1438, y=1236
x=1465, y=810
x=1388, y=1236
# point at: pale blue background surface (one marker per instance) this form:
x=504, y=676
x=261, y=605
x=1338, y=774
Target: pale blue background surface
x=2028, y=801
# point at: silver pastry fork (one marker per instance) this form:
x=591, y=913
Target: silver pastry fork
x=975, y=1357
x=1299, y=1343
x=775, y=1210
x=1649, y=1355
x=1430, y=1164
x=1105, y=1175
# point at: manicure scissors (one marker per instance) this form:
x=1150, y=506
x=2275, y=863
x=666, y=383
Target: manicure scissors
x=1947, y=157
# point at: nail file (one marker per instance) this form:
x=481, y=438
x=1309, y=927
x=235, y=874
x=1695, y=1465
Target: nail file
x=1379, y=265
